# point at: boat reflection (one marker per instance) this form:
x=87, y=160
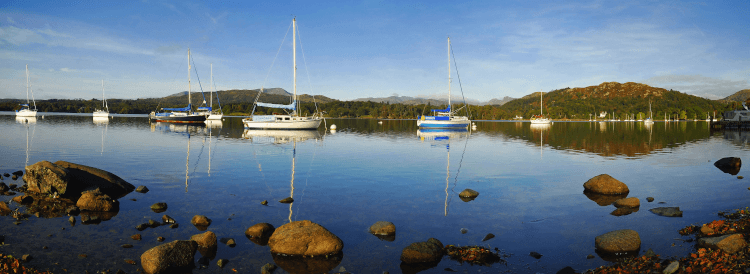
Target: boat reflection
x=438, y=138
x=214, y=123
x=100, y=120
x=280, y=136
x=541, y=128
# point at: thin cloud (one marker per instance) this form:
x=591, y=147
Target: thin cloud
x=17, y=36
x=10, y=20
x=699, y=85
x=174, y=48
x=54, y=33
x=216, y=19
x=68, y=70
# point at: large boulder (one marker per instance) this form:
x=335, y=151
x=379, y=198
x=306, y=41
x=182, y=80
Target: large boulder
x=605, y=184
x=430, y=251
x=304, y=238
x=260, y=233
x=618, y=241
x=728, y=243
x=174, y=257
x=95, y=200
x=729, y=165
x=71, y=180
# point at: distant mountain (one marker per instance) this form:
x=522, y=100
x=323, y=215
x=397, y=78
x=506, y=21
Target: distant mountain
x=740, y=96
x=271, y=95
x=499, y=102
x=407, y=100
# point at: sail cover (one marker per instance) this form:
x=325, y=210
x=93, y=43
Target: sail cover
x=205, y=108
x=187, y=108
x=443, y=110
x=290, y=106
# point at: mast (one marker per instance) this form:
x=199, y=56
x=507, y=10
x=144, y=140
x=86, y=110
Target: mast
x=449, y=77
x=103, y=93
x=27, y=84
x=541, y=103
x=189, y=101
x=294, y=56
x=211, y=100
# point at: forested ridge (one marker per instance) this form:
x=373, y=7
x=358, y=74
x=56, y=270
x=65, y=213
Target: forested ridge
x=620, y=100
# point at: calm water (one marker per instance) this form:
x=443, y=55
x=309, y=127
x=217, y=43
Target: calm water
x=529, y=179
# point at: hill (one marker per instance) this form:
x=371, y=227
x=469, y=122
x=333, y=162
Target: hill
x=407, y=100
x=740, y=96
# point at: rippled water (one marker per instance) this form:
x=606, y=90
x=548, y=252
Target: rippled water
x=529, y=179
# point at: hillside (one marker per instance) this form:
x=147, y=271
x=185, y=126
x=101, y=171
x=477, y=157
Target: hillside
x=407, y=100
x=621, y=99
x=740, y=96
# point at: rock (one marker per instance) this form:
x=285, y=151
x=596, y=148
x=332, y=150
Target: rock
x=464, y=230
x=231, y=242
x=729, y=165
x=430, y=251
x=304, y=238
x=264, y=202
x=23, y=199
x=127, y=246
x=728, y=243
x=167, y=220
x=650, y=253
x=705, y=230
x=71, y=180
x=159, y=207
x=535, y=254
x=468, y=193
x=153, y=223
x=590, y=256
x=72, y=221
x=201, y=222
x=566, y=270
x=90, y=219
x=383, y=228
x=267, y=269
x=136, y=237
x=160, y=239
x=141, y=189
x=260, y=233
x=667, y=211
x=95, y=200
x=173, y=257
x=222, y=262
x=672, y=267
x=141, y=227
x=631, y=202
x=603, y=199
x=650, y=199
x=286, y=200
x=15, y=177
x=12, y=186
x=4, y=209
x=18, y=172
x=740, y=177
x=173, y=226
x=489, y=236
x=624, y=211
x=6, y=175
x=73, y=210
x=605, y=184
x=26, y=258
x=618, y=241
x=206, y=239
x=4, y=187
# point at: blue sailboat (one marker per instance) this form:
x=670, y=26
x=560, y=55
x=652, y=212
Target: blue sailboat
x=444, y=118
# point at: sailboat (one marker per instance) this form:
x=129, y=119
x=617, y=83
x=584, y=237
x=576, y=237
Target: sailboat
x=445, y=118
x=212, y=114
x=649, y=120
x=26, y=110
x=104, y=112
x=291, y=120
x=180, y=115
x=540, y=119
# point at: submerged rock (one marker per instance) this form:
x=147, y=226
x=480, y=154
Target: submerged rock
x=667, y=211
x=299, y=264
x=729, y=165
x=618, y=241
x=624, y=211
x=159, y=207
x=489, y=236
x=605, y=184
x=535, y=254
x=429, y=251
x=383, y=228
x=304, y=238
x=173, y=257
x=142, y=189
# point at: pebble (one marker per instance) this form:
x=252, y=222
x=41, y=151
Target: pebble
x=590, y=256
x=264, y=202
x=464, y=231
x=222, y=262
x=160, y=239
x=740, y=177
x=535, y=254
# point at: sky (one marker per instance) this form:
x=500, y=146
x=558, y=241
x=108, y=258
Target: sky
x=356, y=49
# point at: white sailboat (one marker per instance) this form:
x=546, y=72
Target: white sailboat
x=291, y=120
x=445, y=117
x=213, y=114
x=104, y=112
x=650, y=119
x=26, y=110
x=540, y=119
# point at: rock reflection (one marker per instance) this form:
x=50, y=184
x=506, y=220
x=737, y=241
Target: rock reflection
x=624, y=211
x=603, y=199
x=416, y=268
x=389, y=238
x=311, y=265
x=617, y=257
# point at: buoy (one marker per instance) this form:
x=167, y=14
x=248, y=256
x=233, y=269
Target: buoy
x=333, y=127
x=380, y=122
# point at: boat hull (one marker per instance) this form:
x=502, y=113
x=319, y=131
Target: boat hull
x=215, y=117
x=101, y=114
x=304, y=123
x=26, y=113
x=453, y=122
x=188, y=119
x=541, y=121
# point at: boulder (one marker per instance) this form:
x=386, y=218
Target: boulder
x=286, y=200
x=4, y=187
x=631, y=202
x=173, y=257
x=667, y=211
x=206, y=239
x=23, y=199
x=728, y=243
x=159, y=207
x=383, y=228
x=618, y=241
x=94, y=200
x=141, y=189
x=729, y=165
x=468, y=194
x=430, y=251
x=71, y=180
x=201, y=222
x=304, y=238
x=605, y=184
x=4, y=209
x=260, y=233
x=650, y=199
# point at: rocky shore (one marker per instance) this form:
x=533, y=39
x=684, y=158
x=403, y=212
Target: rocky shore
x=90, y=196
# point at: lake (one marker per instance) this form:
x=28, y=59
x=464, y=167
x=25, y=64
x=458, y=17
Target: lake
x=530, y=183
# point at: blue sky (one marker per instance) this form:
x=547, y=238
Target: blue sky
x=372, y=48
